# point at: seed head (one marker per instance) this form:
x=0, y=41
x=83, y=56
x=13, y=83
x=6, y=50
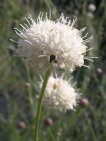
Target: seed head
x=57, y=42
x=60, y=95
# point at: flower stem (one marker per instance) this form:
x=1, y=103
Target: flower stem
x=37, y=118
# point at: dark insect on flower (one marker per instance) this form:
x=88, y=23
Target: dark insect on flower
x=53, y=59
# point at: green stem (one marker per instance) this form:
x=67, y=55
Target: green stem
x=37, y=118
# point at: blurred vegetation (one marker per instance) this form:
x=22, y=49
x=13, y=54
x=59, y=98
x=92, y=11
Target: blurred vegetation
x=17, y=90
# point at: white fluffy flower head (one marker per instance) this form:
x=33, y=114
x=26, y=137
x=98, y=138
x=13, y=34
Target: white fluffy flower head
x=56, y=42
x=60, y=95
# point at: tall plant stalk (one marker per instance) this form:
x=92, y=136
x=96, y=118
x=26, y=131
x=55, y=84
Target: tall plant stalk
x=37, y=118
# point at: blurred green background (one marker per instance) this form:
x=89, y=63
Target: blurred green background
x=17, y=82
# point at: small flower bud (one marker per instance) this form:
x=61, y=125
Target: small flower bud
x=49, y=122
x=99, y=71
x=21, y=125
x=84, y=102
x=27, y=84
x=92, y=7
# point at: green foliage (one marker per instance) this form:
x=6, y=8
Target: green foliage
x=17, y=90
